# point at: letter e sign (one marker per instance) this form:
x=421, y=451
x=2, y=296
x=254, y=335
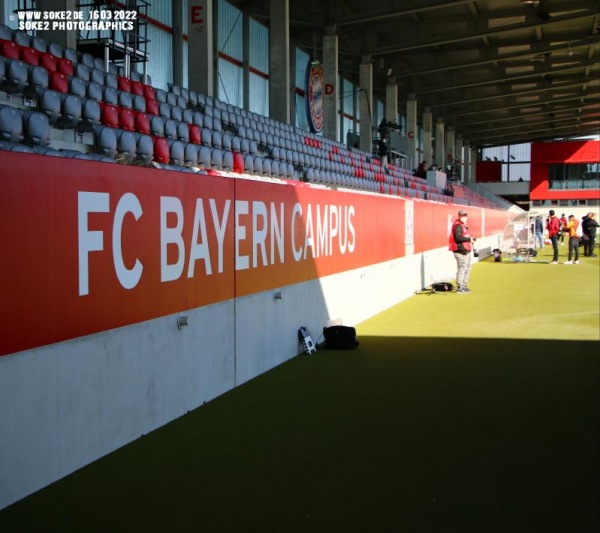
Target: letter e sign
x=196, y=15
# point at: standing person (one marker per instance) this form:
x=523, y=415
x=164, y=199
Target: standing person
x=571, y=228
x=421, y=170
x=563, y=224
x=538, y=232
x=460, y=244
x=589, y=229
x=553, y=227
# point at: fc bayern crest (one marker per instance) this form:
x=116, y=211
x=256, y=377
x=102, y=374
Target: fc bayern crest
x=314, y=96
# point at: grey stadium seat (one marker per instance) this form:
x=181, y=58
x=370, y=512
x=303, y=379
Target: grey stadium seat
x=37, y=79
x=16, y=76
x=188, y=116
x=11, y=124
x=2, y=70
x=90, y=115
x=39, y=44
x=87, y=60
x=16, y=147
x=145, y=149
x=275, y=169
x=70, y=54
x=139, y=103
x=111, y=80
x=105, y=140
x=190, y=155
x=258, y=165
x=98, y=76
x=36, y=128
x=170, y=129
x=126, y=147
x=174, y=89
x=227, y=160
x=177, y=113
x=82, y=72
x=204, y=157
x=6, y=33
x=71, y=109
x=110, y=95
x=56, y=49
x=217, y=124
x=94, y=91
x=45, y=150
x=77, y=86
x=164, y=110
x=125, y=99
x=171, y=99
x=217, y=139
x=226, y=141
x=183, y=132
x=176, y=150
x=216, y=158
x=266, y=167
x=50, y=104
x=157, y=126
x=21, y=38
x=198, y=119
x=249, y=164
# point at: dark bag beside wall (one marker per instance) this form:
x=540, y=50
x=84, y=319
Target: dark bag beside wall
x=339, y=338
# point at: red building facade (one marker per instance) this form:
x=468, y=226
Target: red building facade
x=554, y=173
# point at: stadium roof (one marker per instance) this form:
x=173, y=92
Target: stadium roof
x=497, y=71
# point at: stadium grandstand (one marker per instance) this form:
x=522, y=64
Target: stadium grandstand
x=201, y=178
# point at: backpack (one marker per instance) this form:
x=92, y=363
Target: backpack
x=339, y=338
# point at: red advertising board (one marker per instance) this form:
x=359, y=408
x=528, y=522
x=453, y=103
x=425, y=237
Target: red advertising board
x=91, y=246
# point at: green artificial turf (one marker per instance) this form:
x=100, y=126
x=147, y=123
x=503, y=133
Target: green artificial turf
x=457, y=413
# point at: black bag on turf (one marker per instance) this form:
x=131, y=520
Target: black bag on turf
x=339, y=338
x=442, y=287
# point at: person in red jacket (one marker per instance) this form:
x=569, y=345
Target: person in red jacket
x=563, y=224
x=553, y=227
x=460, y=243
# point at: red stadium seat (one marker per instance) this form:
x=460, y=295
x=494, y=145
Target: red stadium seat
x=195, y=134
x=9, y=49
x=65, y=66
x=30, y=55
x=137, y=88
x=149, y=92
x=238, y=163
x=151, y=107
x=161, y=150
x=109, y=115
x=49, y=62
x=142, y=123
x=123, y=84
x=126, y=119
x=58, y=82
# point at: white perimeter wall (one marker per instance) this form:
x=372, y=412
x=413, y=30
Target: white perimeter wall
x=67, y=404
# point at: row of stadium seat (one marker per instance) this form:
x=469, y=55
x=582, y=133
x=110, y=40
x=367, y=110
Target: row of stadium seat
x=178, y=129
